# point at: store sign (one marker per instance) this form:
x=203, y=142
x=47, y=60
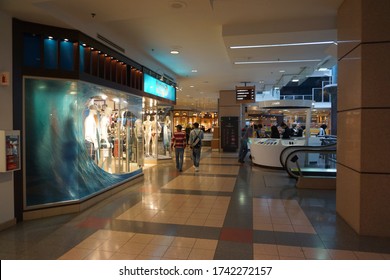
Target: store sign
x=245, y=94
x=159, y=88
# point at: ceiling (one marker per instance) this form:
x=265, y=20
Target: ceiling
x=203, y=31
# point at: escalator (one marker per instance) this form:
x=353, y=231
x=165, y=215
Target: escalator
x=314, y=167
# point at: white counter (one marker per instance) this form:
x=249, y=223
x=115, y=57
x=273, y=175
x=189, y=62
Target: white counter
x=266, y=151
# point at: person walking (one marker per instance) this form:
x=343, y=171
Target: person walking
x=178, y=142
x=195, y=142
x=247, y=132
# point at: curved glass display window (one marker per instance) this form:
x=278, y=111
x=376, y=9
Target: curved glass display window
x=80, y=139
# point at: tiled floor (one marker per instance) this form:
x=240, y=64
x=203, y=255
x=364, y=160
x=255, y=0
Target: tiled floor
x=226, y=210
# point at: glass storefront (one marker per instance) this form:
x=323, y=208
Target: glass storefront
x=158, y=128
x=80, y=139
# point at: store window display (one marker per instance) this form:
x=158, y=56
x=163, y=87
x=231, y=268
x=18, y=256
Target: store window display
x=76, y=131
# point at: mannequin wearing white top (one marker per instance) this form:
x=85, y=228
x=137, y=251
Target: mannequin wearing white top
x=90, y=133
x=138, y=128
x=104, y=126
x=147, y=126
x=167, y=132
x=156, y=130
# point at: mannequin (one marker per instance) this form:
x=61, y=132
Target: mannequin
x=156, y=130
x=147, y=126
x=105, y=121
x=167, y=132
x=138, y=128
x=90, y=132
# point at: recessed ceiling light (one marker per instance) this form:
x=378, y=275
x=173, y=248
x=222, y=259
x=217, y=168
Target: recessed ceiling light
x=194, y=71
x=283, y=45
x=175, y=52
x=276, y=61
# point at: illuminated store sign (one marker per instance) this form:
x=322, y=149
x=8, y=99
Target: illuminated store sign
x=159, y=88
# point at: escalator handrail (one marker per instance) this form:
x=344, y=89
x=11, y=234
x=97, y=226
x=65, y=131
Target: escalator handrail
x=294, y=148
x=307, y=149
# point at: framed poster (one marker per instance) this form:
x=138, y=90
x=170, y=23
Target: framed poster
x=9, y=150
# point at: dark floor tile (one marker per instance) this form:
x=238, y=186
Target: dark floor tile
x=263, y=236
x=227, y=250
x=287, y=238
x=309, y=240
x=240, y=235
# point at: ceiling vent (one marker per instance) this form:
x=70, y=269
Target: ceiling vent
x=112, y=44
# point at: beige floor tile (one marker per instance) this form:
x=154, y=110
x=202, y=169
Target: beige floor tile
x=207, y=244
x=265, y=249
x=201, y=254
x=142, y=238
x=195, y=222
x=183, y=242
x=177, y=253
x=265, y=257
x=112, y=245
x=262, y=226
x=120, y=235
x=280, y=221
x=162, y=240
x=285, y=228
x=290, y=251
x=154, y=250
x=99, y=255
x=213, y=223
x=146, y=257
x=76, y=254
x=121, y=256
x=131, y=248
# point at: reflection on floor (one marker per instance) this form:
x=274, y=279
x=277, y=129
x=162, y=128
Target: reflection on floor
x=226, y=210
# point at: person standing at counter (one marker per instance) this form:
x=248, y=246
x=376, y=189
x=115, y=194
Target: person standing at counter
x=244, y=144
x=286, y=131
x=275, y=132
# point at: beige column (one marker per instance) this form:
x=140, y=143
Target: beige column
x=363, y=118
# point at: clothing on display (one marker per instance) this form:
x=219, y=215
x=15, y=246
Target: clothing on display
x=167, y=132
x=91, y=133
x=147, y=126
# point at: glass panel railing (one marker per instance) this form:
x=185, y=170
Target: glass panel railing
x=312, y=162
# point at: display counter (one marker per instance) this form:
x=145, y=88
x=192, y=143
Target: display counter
x=266, y=151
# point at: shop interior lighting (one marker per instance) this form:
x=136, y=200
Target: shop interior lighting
x=283, y=45
x=175, y=52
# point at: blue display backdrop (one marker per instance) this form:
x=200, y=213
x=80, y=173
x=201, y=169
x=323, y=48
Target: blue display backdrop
x=57, y=164
x=158, y=88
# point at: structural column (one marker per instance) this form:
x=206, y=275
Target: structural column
x=363, y=117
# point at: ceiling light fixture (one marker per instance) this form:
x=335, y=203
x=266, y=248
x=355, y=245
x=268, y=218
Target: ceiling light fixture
x=175, y=52
x=276, y=61
x=283, y=45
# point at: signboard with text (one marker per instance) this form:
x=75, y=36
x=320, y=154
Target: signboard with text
x=245, y=94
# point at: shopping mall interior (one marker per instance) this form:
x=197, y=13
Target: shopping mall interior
x=91, y=98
